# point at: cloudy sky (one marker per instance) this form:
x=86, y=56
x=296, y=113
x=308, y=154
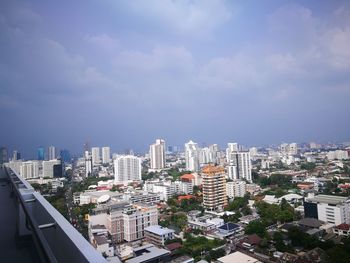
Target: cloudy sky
x=122, y=73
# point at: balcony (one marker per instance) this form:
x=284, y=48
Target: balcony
x=32, y=230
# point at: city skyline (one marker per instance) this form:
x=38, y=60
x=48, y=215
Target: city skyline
x=125, y=73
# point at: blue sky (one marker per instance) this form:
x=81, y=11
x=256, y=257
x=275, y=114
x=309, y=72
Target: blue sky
x=123, y=73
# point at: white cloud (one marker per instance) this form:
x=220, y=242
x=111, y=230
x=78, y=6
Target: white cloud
x=104, y=42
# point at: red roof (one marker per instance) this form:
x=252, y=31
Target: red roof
x=343, y=227
x=173, y=246
x=187, y=176
x=344, y=186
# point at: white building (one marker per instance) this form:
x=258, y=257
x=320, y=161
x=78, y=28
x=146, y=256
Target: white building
x=29, y=169
x=51, y=152
x=48, y=168
x=127, y=168
x=239, y=159
x=157, y=154
x=192, y=156
x=88, y=164
x=236, y=189
x=157, y=235
x=328, y=208
x=106, y=155
x=338, y=154
x=138, y=217
x=95, y=154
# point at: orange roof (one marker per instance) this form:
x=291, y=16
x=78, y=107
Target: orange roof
x=211, y=169
x=187, y=176
x=185, y=197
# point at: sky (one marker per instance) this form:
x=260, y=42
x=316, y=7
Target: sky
x=123, y=73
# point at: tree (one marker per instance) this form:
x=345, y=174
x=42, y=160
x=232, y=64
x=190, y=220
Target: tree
x=256, y=227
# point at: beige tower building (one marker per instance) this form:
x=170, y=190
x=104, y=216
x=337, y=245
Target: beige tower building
x=214, y=187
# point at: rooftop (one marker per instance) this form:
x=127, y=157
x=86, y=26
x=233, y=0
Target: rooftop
x=147, y=252
x=159, y=230
x=329, y=199
x=211, y=169
x=238, y=257
x=310, y=222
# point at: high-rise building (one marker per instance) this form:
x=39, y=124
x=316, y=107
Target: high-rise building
x=3, y=155
x=88, y=164
x=157, y=155
x=51, y=153
x=65, y=156
x=239, y=159
x=95, y=153
x=29, y=169
x=16, y=155
x=41, y=153
x=127, y=168
x=52, y=168
x=192, y=156
x=106, y=155
x=214, y=187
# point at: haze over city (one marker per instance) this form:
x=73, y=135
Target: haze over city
x=123, y=73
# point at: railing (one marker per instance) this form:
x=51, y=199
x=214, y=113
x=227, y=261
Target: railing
x=55, y=239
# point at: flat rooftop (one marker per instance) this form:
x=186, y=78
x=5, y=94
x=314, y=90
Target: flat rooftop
x=329, y=199
x=238, y=257
x=159, y=230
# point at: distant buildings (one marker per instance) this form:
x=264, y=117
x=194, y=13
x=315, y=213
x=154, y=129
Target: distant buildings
x=192, y=156
x=239, y=163
x=337, y=155
x=157, y=155
x=41, y=153
x=289, y=149
x=51, y=153
x=16, y=155
x=214, y=187
x=65, y=156
x=95, y=155
x=127, y=168
x=3, y=155
x=106, y=155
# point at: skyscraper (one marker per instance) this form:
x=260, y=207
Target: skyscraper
x=106, y=155
x=16, y=155
x=88, y=164
x=41, y=153
x=239, y=161
x=95, y=153
x=157, y=154
x=192, y=156
x=127, y=168
x=52, y=168
x=51, y=153
x=214, y=187
x=65, y=156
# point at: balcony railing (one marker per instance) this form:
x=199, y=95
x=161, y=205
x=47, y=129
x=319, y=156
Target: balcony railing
x=55, y=239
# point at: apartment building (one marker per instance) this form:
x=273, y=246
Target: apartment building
x=214, y=187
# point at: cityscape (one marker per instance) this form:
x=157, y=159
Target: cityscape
x=175, y=131
x=285, y=203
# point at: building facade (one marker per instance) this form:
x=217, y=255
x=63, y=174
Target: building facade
x=127, y=168
x=157, y=155
x=214, y=187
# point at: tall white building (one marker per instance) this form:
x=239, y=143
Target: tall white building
x=157, y=155
x=88, y=164
x=192, y=156
x=106, y=155
x=127, y=168
x=29, y=169
x=51, y=153
x=95, y=154
x=241, y=160
x=48, y=167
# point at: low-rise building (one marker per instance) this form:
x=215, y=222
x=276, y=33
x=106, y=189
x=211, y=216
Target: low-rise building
x=157, y=235
x=237, y=257
x=149, y=253
x=342, y=230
